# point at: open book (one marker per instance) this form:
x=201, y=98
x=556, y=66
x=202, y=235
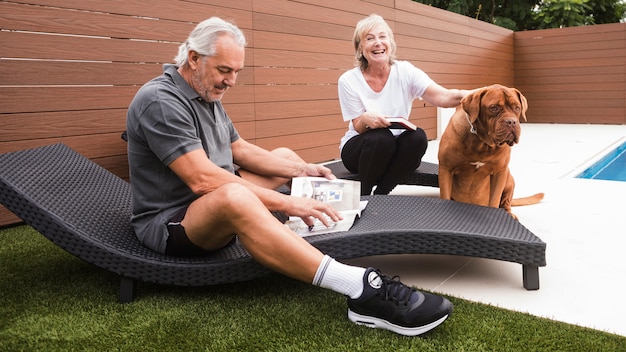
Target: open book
x=401, y=123
x=342, y=195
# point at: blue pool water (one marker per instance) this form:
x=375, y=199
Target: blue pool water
x=611, y=167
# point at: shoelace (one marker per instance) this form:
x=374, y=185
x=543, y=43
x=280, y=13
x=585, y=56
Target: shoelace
x=394, y=290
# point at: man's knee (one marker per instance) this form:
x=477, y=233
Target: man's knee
x=287, y=153
x=235, y=198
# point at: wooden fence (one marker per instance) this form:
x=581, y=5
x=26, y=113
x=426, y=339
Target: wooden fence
x=71, y=67
x=573, y=75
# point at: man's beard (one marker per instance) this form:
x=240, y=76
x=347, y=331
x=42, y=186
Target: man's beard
x=201, y=88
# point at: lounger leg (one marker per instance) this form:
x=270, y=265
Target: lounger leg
x=128, y=290
x=531, y=277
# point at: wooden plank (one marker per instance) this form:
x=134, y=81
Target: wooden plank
x=593, y=53
x=569, y=43
x=453, y=53
x=31, y=72
x=335, y=12
x=319, y=154
x=530, y=63
x=23, y=126
x=294, y=42
x=239, y=112
x=20, y=99
x=572, y=101
x=405, y=32
x=68, y=21
x=299, y=108
x=412, y=12
x=300, y=141
x=580, y=90
x=303, y=27
x=61, y=47
x=246, y=130
x=600, y=81
x=458, y=62
x=43, y=125
x=351, y=11
x=304, y=141
x=7, y=218
x=282, y=58
x=570, y=33
x=537, y=109
x=572, y=74
x=294, y=93
x=180, y=10
x=27, y=46
x=570, y=117
x=92, y=146
x=471, y=81
x=300, y=125
x=464, y=43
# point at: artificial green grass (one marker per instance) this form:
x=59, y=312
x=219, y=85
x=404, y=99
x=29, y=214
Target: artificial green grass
x=52, y=301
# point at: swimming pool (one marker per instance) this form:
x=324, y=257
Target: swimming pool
x=611, y=167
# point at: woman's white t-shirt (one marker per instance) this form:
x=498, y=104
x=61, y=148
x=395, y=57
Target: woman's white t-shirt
x=405, y=83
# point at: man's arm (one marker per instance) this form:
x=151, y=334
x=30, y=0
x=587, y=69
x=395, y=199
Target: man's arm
x=200, y=174
x=262, y=162
x=203, y=176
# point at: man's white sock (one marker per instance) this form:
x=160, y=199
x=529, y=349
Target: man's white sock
x=342, y=278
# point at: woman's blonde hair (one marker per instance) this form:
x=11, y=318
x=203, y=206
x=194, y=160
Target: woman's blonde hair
x=365, y=26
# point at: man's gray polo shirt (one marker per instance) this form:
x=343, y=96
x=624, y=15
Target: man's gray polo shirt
x=166, y=120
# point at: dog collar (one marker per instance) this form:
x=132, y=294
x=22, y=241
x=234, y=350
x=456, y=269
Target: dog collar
x=472, y=128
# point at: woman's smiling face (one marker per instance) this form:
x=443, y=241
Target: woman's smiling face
x=375, y=45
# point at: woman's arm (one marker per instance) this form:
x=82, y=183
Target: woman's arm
x=443, y=97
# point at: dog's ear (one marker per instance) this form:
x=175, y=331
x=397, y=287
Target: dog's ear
x=524, y=102
x=471, y=104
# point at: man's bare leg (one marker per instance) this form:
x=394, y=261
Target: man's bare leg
x=212, y=220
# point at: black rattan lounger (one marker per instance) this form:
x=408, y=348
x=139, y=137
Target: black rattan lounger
x=427, y=174
x=85, y=210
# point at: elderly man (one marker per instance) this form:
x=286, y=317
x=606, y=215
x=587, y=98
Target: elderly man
x=197, y=184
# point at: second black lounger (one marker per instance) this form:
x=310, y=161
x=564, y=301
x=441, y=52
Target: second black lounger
x=427, y=174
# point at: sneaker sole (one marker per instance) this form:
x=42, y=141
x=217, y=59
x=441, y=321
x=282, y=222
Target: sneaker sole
x=383, y=324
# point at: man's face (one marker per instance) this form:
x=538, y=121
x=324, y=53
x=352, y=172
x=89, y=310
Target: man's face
x=212, y=76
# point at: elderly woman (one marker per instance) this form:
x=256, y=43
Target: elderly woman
x=382, y=87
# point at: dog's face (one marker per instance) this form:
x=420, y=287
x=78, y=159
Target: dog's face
x=496, y=112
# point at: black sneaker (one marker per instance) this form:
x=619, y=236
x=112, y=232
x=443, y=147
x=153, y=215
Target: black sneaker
x=387, y=303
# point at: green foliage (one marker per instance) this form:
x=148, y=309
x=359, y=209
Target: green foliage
x=535, y=14
x=512, y=14
x=564, y=13
x=52, y=301
x=607, y=11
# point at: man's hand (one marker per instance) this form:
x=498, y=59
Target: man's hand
x=309, y=209
x=317, y=170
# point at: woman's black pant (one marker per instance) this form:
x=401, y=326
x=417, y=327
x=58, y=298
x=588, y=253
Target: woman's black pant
x=382, y=159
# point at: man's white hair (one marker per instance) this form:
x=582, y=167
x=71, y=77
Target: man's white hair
x=202, y=38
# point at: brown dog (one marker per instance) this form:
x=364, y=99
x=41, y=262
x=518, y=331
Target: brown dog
x=475, y=149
